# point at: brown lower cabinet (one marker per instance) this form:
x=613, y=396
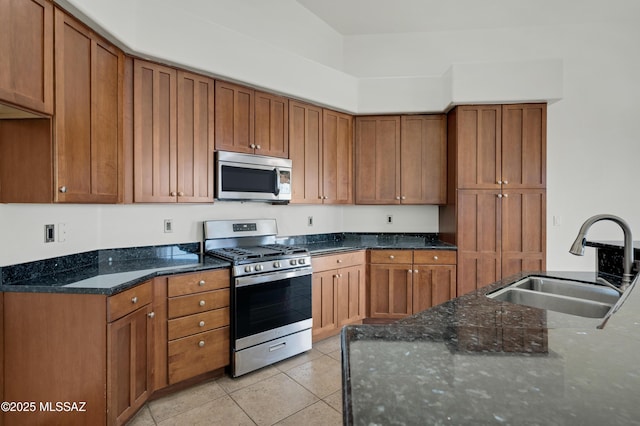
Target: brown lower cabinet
x=102, y=357
x=339, y=292
x=405, y=282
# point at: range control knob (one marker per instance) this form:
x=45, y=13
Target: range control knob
x=276, y=264
x=259, y=267
x=293, y=262
x=301, y=261
x=248, y=269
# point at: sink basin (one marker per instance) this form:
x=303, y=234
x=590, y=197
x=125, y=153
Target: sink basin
x=566, y=296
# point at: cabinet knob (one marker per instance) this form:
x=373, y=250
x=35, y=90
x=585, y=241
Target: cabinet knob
x=201, y=343
x=252, y=146
x=505, y=182
x=180, y=194
x=410, y=271
x=499, y=195
x=505, y=195
x=202, y=303
x=201, y=323
x=325, y=197
x=201, y=283
x=339, y=260
x=435, y=257
x=499, y=182
x=134, y=299
x=403, y=198
x=63, y=189
x=391, y=256
x=258, y=147
x=151, y=314
x=173, y=193
x=415, y=271
x=397, y=198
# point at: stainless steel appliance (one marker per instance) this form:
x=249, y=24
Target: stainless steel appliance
x=252, y=177
x=271, y=292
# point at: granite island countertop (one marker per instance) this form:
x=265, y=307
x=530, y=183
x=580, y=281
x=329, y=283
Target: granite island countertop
x=474, y=360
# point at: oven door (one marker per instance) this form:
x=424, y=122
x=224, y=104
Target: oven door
x=268, y=306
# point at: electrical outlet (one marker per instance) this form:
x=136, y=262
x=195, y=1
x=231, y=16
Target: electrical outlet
x=310, y=221
x=168, y=226
x=49, y=233
x=389, y=219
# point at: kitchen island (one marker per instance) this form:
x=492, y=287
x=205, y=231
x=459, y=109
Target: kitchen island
x=474, y=360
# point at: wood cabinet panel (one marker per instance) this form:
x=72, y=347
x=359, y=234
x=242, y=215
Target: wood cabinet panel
x=234, y=118
x=391, y=256
x=337, y=158
x=128, y=301
x=434, y=257
x=195, y=138
x=159, y=337
x=524, y=147
x=197, y=323
x=128, y=373
x=432, y=285
x=271, y=125
x=155, y=115
x=88, y=131
x=335, y=261
x=351, y=289
x=390, y=290
x=324, y=304
x=423, y=159
x=199, y=302
x=198, y=282
x=305, y=152
x=26, y=46
x=377, y=153
x=198, y=354
x=64, y=357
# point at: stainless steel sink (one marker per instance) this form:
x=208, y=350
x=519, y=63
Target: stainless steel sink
x=566, y=296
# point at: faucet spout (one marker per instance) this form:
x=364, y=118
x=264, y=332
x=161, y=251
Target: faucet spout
x=577, y=248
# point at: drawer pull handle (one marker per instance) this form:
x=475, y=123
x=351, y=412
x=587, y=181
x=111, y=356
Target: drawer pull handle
x=339, y=260
x=201, y=343
x=277, y=346
x=134, y=299
x=151, y=314
x=202, y=303
x=201, y=323
x=202, y=282
x=392, y=256
x=435, y=257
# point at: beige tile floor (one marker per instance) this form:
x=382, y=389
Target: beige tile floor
x=303, y=390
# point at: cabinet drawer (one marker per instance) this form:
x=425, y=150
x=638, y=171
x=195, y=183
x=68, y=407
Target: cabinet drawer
x=197, y=323
x=128, y=301
x=391, y=256
x=199, y=302
x=336, y=261
x=434, y=257
x=198, y=282
x=198, y=354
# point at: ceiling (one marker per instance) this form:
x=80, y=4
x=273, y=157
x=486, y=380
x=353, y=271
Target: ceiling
x=356, y=17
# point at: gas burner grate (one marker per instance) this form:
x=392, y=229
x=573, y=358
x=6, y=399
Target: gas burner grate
x=285, y=249
x=235, y=253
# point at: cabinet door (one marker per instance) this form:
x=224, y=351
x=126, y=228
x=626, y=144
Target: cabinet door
x=234, y=118
x=305, y=151
x=432, y=285
x=195, y=138
x=88, y=114
x=423, y=159
x=128, y=375
x=390, y=290
x=524, y=146
x=154, y=105
x=271, y=125
x=478, y=133
x=26, y=49
x=337, y=158
x=324, y=302
x=352, y=303
x=479, y=239
x=523, y=231
x=377, y=152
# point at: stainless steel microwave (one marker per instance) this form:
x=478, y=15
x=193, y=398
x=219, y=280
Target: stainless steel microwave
x=251, y=177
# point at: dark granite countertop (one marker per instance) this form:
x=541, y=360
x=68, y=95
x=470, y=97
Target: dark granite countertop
x=475, y=360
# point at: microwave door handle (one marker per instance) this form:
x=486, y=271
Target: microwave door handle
x=276, y=189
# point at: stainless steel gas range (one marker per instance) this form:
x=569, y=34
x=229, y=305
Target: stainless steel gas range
x=271, y=292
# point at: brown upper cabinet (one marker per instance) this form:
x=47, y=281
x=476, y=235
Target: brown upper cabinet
x=234, y=118
x=401, y=159
x=271, y=125
x=173, y=135
x=26, y=49
x=321, y=149
x=88, y=114
x=501, y=145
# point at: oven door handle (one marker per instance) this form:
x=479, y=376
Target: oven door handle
x=272, y=276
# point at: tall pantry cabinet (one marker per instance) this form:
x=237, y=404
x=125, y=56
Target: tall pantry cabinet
x=496, y=211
